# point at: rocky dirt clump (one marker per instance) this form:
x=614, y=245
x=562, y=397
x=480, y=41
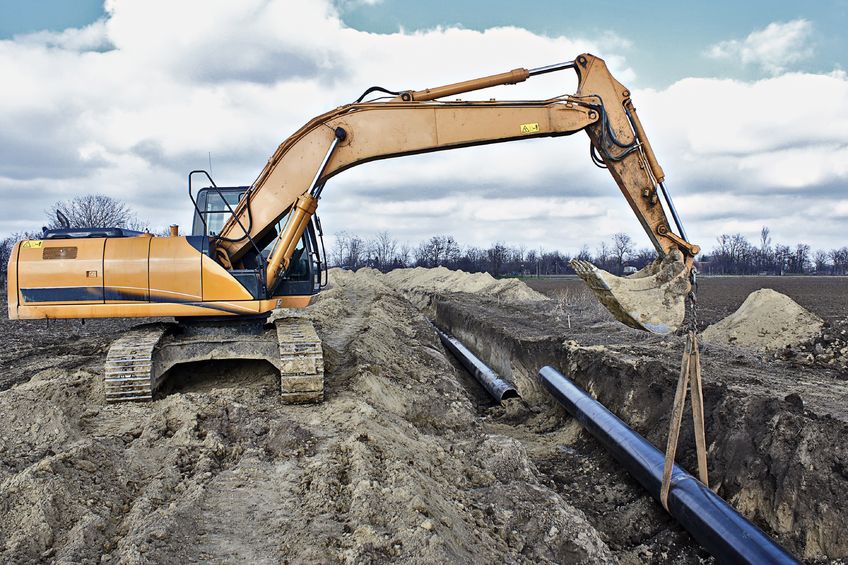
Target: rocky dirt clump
x=828, y=349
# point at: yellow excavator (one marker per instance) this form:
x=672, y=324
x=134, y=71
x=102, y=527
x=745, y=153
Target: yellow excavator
x=255, y=249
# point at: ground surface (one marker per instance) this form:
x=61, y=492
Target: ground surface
x=721, y=296
x=407, y=460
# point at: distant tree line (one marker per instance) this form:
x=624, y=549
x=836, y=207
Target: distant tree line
x=735, y=255
x=385, y=253
x=731, y=255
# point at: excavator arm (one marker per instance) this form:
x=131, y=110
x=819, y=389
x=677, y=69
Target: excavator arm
x=412, y=122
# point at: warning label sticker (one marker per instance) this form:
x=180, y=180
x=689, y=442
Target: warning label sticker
x=530, y=128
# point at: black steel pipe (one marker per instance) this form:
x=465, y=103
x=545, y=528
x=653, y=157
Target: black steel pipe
x=497, y=387
x=720, y=529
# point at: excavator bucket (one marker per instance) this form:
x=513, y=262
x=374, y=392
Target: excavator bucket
x=653, y=299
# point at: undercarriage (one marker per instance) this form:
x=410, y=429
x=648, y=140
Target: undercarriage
x=138, y=363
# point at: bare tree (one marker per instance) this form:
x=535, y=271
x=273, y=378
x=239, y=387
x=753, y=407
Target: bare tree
x=533, y=262
x=92, y=211
x=602, y=256
x=782, y=253
x=403, y=255
x=765, y=238
x=473, y=260
x=622, y=248
x=643, y=257
x=382, y=250
x=348, y=251
x=584, y=254
x=839, y=258
x=438, y=251
x=497, y=255
x=5, y=251
x=799, y=261
x=820, y=262
x=733, y=254
x=337, y=254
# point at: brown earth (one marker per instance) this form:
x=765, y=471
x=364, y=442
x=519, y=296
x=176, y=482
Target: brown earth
x=766, y=321
x=718, y=297
x=406, y=460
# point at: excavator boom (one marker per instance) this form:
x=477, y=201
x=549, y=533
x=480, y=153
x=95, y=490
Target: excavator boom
x=259, y=258
x=416, y=122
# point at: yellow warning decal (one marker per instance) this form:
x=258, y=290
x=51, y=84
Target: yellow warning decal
x=32, y=244
x=530, y=128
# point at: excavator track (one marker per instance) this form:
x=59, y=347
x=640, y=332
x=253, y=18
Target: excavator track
x=130, y=363
x=301, y=361
x=138, y=361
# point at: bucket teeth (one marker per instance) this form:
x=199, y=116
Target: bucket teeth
x=653, y=299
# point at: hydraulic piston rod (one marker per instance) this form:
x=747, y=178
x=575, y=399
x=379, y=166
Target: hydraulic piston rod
x=551, y=68
x=510, y=77
x=720, y=529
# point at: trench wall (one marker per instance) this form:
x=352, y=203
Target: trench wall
x=783, y=467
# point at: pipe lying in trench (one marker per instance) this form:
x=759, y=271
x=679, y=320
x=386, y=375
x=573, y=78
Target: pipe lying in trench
x=720, y=529
x=498, y=388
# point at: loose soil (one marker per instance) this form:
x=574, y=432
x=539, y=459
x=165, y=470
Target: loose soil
x=767, y=321
x=406, y=460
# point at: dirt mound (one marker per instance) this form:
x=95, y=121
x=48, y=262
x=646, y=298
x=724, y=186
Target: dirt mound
x=441, y=280
x=394, y=465
x=767, y=320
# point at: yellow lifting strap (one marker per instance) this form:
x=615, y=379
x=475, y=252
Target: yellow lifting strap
x=690, y=370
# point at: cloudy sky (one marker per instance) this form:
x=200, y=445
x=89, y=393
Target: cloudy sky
x=746, y=104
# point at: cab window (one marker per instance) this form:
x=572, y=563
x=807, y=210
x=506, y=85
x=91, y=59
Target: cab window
x=216, y=210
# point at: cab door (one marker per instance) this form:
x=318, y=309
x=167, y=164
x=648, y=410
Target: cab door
x=175, y=270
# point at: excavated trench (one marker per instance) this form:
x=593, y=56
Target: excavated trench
x=778, y=461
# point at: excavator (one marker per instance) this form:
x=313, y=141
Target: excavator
x=259, y=249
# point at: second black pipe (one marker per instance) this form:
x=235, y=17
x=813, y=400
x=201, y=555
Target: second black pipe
x=497, y=387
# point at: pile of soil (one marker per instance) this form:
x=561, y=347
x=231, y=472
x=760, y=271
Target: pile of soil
x=441, y=280
x=396, y=464
x=768, y=321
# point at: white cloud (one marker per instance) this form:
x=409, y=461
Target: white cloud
x=773, y=48
x=92, y=37
x=129, y=105
x=345, y=4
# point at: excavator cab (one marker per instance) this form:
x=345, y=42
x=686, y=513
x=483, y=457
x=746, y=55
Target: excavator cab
x=306, y=273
